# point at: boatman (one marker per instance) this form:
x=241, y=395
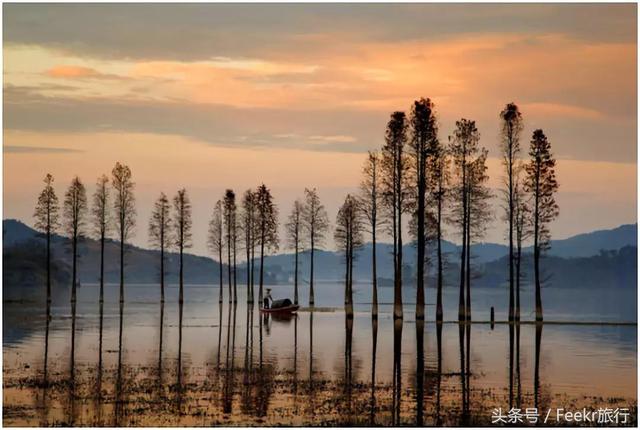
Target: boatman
x=266, y=303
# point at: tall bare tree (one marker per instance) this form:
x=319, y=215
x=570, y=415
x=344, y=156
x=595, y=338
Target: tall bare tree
x=230, y=226
x=182, y=228
x=316, y=224
x=463, y=145
x=510, y=148
x=369, y=202
x=215, y=240
x=424, y=135
x=248, y=227
x=74, y=211
x=267, y=228
x=100, y=219
x=293, y=229
x=349, y=238
x=125, y=211
x=541, y=183
x=160, y=233
x=394, y=177
x=47, y=221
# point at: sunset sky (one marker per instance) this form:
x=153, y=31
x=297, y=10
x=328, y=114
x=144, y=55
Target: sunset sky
x=209, y=97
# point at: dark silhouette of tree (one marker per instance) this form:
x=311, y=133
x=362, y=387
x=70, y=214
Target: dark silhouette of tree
x=47, y=221
x=369, y=201
x=478, y=213
x=510, y=149
x=267, y=228
x=463, y=145
x=349, y=238
x=125, y=211
x=230, y=226
x=316, y=224
x=424, y=135
x=438, y=185
x=74, y=211
x=100, y=219
x=541, y=183
x=249, y=215
x=293, y=228
x=215, y=240
x=182, y=228
x=394, y=190
x=160, y=233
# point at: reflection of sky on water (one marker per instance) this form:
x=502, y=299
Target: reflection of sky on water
x=577, y=360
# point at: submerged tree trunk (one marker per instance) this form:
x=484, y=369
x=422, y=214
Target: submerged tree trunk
x=439, y=312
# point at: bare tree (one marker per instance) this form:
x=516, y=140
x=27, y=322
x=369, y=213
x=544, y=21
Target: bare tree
x=182, y=228
x=369, y=201
x=125, y=211
x=215, y=240
x=316, y=224
x=230, y=225
x=541, y=183
x=100, y=218
x=248, y=227
x=394, y=177
x=424, y=135
x=160, y=233
x=462, y=146
x=267, y=228
x=349, y=238
x=294, y=235
x=74, y=211
x=510, y=148
x=47, y=221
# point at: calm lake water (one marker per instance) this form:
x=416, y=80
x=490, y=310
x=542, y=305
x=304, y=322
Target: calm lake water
x=154, y=366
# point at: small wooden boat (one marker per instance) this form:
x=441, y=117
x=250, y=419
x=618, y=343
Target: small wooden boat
x=283, y=310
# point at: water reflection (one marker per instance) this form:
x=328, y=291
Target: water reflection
x=239, y=377
x=397, y=372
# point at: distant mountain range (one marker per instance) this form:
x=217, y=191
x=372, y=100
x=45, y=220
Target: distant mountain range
x=604, y=256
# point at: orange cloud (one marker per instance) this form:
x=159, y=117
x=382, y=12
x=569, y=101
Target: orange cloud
x=70, y=72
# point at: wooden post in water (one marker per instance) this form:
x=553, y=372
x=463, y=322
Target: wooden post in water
x=493, y=318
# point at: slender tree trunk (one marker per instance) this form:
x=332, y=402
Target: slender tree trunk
x=161, y=263
x=48, y=261
x=468, y=262
x=536, y=247
x=221, y=274
x=510, y=173
x=439, y=315
x=102, y=267
x=248, y=246
x=518, y=265
x=295, y=276
x=229, y=265
x=74, y=271
x=235, y=273
x=421, y=240
x=181, y=300
x=260, y=294
x=253, y=268
x=463, y=254
x=397, y=305
x=311, y=297
x=122, y=261
x=374, y=306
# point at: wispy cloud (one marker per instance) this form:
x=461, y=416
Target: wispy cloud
x=17, y=149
